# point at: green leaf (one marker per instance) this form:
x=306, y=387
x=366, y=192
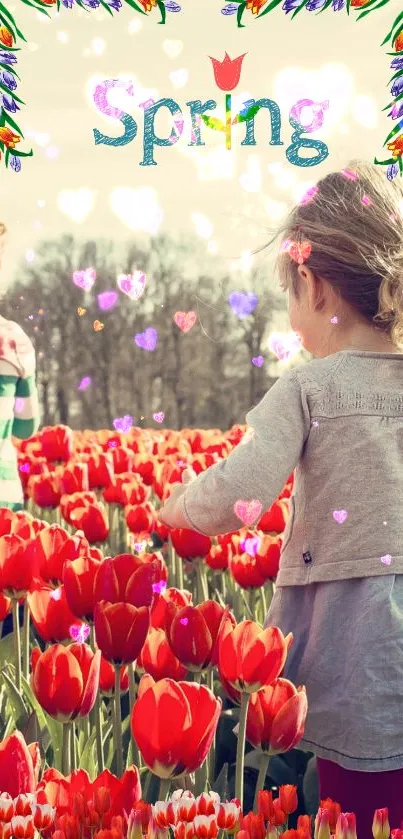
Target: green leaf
x=35, y=6
x=326, y=6
x=372, y=7
x=54, y=728
x=221, y=783
x=239, y=15
x=10, y=70
x=163, y=11
x=6, y=650
x=395, y=130
x=87, y=761
x=251, y=112
x=15, y=702
x=11, y=22
x=269, y=8
x=386, y=162
x=7, y=90
x=297, y=11
x=395, y=24
x=105, y=6
x=18, y=131
x=134, y=5
x=213, y=122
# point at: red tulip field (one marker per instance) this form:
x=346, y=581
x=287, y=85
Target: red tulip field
x=132, y=644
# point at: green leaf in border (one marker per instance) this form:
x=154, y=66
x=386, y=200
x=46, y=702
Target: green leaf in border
x=269, y=8
x=372, y=9
x=163, y=11
x=213, y=122
x=239, y=15
x=395, y=23
x=300, y=7
x=134, y=5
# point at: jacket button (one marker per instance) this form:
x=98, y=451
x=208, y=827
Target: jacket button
x=307, y=557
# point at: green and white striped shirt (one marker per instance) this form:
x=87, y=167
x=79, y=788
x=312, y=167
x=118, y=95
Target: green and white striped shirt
x=19, y=414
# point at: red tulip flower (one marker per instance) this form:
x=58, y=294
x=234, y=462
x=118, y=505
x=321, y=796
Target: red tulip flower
x=189, y=544
x=74, y=478
x=193, y=633
x=79, y=584
x=174, y=750
x=17, y=768
x=158, y=659
x=254, y=825
x=227, y=73
x=53, y=547
x=140, y=518
x=120, y=630
x=46, y=491
x=127, y=579
x=57, y=443
x=276, y=717
x=51, y=614
x=93, y=521
x=274, y=520
x=100, y=470
x=159, y=606
x=65, y=680
x=18, y=566
x=107, y=678
x=251, y=657
x=288, y=798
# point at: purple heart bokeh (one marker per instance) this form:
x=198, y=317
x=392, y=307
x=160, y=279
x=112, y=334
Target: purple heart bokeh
x=85, y=382
x=85, y=279
x=258, y=361
x=243, y=302
x=123, y=424
x=107, y=300
x=251, y=545
x=147, y=340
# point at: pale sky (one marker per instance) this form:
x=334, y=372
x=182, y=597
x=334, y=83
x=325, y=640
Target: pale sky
x=226, y=197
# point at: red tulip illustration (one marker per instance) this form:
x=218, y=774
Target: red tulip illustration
x=227, y=74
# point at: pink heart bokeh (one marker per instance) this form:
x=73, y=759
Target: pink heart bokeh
x=185, y=320
x=132, y=285
x=340, y=516
x=248, y=511
x=85, y=279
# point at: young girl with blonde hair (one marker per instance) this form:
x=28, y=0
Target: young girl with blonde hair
x=338, y=421
x=19, y=413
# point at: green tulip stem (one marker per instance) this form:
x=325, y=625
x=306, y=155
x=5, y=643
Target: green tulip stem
x=212, y=755
x=66, y=748
x=263, y=767
x=202, y=587
x=228, y=121
x=73, y=748
x=17, y=644
x=240, y=751
x=25, y=642
x=263, y=602
x=118, y=725
x=96, y=713
x=179, y=569
x=165, y=784
x=133, y=748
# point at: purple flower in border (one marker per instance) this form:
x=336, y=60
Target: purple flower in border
x=68, y=4
x=338, y=5
x=397, y=87
x=230, y=9
x=115, y=4
x=314, y=5
x=8, y=58
x=9, y=104
x=290, y=5
x=15, y=163
x=172, y=7
x=397, y=64
x=397, y=111
x=9, y=80
x=92, y=4
x=392, y=171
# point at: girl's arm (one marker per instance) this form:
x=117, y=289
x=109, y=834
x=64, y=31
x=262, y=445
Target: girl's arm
x=26, y=408
x=256, y=470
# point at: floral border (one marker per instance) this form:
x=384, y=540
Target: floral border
x=11, y=135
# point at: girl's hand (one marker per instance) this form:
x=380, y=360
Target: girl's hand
x=169, y=513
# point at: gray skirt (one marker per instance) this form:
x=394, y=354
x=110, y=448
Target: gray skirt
x=348, y=652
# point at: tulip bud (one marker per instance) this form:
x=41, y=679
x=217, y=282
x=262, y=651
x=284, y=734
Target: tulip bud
x=24, y=804
x=44, y=816
x=102, y=800
x=205, y=827
x=22, y=827
x=265, y=804
x=341, y=827
x=322, y=829
x=380, y=825
x=155, y=831
x=288, y=798
x=135, y=827
x=228, y=816
x=351, y=826
x=206, y=802
x=6, y=807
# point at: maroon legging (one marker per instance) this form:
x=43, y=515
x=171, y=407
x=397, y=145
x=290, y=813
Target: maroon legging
x=362, y=793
